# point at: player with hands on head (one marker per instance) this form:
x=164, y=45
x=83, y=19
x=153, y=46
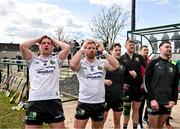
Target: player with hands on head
x=91, y=74
x=44, y=95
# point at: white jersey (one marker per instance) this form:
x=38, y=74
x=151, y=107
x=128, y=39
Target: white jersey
x=91, y=81
x=44, y=78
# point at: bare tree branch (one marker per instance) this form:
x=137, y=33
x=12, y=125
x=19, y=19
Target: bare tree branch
x=60, y=33
x=108, y=23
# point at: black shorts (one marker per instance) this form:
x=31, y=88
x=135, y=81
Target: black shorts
x=136, y=95
x=115, y=105
x=48, y=111
x=162, y=110
x=93, y=111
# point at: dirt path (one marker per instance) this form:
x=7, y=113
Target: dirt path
x=69, y=109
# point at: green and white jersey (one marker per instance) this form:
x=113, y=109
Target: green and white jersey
x=44, y=78
x=91, y=81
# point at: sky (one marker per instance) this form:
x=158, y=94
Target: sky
x=21, y=20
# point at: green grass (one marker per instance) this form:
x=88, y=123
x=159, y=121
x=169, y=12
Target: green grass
x=10, y=118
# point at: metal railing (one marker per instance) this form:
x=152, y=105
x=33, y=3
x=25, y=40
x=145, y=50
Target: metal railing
x=9, y=68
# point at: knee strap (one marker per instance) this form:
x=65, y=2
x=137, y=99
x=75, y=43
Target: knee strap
x=127, y=108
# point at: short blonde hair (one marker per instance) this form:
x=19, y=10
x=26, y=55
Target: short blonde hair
x=129, y=41
x=90, y=41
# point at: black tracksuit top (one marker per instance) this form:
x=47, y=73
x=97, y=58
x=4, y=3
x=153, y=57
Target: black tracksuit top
x=115, y=91
x=161, y=81
x=134, y=64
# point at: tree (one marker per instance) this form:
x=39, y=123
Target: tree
x=108, y=23
x=77, y=35
x=60, y=33
x=62, y=36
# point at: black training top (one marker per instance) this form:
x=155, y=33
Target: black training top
x=115, y=91
x=135, y=64
x=161, y=81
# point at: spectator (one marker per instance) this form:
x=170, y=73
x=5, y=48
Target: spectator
x=19, y=62
x=76, y=47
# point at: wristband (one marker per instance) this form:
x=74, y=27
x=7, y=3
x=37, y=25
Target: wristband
x=82, y=49
x=104, y=52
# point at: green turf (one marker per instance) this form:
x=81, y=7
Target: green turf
x=10, y=118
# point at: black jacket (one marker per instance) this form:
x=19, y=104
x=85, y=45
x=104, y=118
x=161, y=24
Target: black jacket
x=115, y=91
x=161, y=81
x=134, y=64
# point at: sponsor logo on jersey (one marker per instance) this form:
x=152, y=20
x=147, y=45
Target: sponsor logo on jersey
x=45, y=71
x=45, y=63
x=137, y=59
x=97, y=75
x=170, y=69
x=52, y=62
x=100, y=68
x=82, y=67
